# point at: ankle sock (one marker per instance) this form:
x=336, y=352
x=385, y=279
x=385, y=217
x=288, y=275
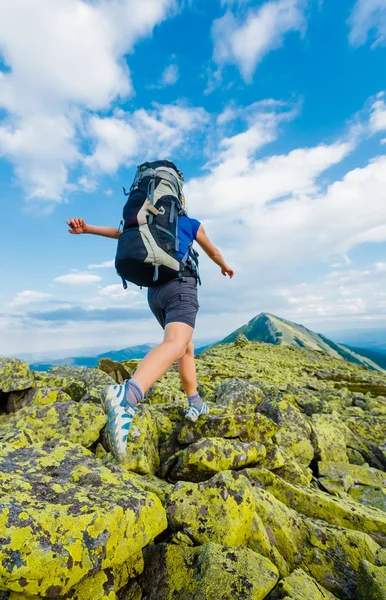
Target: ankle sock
x=134, y=393
x=195, y=400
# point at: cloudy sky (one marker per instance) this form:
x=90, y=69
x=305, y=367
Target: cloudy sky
x=274, y=110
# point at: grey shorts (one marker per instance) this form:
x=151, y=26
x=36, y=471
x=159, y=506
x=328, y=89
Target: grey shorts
x=175, y=301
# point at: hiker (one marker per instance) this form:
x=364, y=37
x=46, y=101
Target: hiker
x=155, y=250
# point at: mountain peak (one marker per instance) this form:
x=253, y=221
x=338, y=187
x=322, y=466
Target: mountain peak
x=270, y=329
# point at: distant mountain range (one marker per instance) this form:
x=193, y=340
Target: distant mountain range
x=274, y=330
x=92, y=361
x=265, y=327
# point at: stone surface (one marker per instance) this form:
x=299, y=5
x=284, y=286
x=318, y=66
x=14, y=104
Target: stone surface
x=372, y=582
x=36, y=397
x=14, y=375
x=219, y=510
x=246, y=428
x=209, y=572
x=78, y=423
x=64, y=517
x=209, y=456
x=300, y=586
x=304, y=504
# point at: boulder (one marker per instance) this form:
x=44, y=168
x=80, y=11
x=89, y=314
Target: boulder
x=371, y=582
x=36, y=397
x=202, y=460
x=82, y=384
x=14, y=375
x=209, y=572
x=247, y=428
x=78, y=423
x=219, y=510
x=64, y=518
x=300, y=586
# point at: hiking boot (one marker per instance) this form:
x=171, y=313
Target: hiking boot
x=193, y=412
x=119, y=418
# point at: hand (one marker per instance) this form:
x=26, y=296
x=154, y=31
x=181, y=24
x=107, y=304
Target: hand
x=227, y=271
x=77, y=226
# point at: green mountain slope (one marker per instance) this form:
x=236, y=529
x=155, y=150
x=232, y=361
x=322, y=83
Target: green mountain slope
x=274, y=330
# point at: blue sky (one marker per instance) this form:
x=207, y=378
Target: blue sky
x=274, y=110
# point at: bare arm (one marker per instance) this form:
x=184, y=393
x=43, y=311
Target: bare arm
x=78, y=226
x=213, y=252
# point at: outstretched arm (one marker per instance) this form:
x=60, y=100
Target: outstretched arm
x=213, y=252
x=78, y=226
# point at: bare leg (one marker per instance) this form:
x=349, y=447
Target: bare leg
x=187, y=371
x=155, y=364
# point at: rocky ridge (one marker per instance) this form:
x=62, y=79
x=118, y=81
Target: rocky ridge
x=279, y=493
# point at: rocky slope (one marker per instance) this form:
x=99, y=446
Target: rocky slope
x=275, y=330
x=279, y=493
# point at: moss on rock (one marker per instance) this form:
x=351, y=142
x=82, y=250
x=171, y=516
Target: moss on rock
x=64, y=517
x=14, y=375
x=209, y=572
x=78, y=423
x=203, y=459
x=300, y=586
x=219, y=510
x=247, y=428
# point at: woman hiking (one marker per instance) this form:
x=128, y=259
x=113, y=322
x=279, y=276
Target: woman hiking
x=155, y=250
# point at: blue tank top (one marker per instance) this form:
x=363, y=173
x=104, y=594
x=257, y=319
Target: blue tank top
x=187, y=233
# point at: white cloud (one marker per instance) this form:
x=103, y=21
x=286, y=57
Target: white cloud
x=121, y=139
x=28, y=297
x=64, y=58
x=170, y=75
x=339, y=294
x=117, y=292
x=107, y=264
x=368, y=16
x=244, y=42
x=378, y=114
x=78, y=278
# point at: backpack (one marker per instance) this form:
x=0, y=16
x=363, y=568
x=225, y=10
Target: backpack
x=147, y=252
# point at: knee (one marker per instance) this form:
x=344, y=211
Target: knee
x=182, y=349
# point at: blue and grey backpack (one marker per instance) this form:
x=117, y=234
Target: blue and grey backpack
x=147, y=252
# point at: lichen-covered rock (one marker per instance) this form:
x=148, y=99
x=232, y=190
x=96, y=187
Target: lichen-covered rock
x=36, y=397
x=237, y=394
x=317, y=504
x=247, y=428
x=368, y=427
x=328, y=553
x=241, y=340
x=274, y=458
x=104, y=585
x=65, y=517
x=300, y=586
x=374, y=497
x=294, y=435
x=82, y=384
x=209, y=572
x=359, y=474
x=219, y=510
x=14, y=375
x=371, y=582
x=202, y=460
x=167, y=390
x=328, y=439
x=285, y=528
x=78, y=423
x=114, y=369
x=332, y=556
x=260, y=542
